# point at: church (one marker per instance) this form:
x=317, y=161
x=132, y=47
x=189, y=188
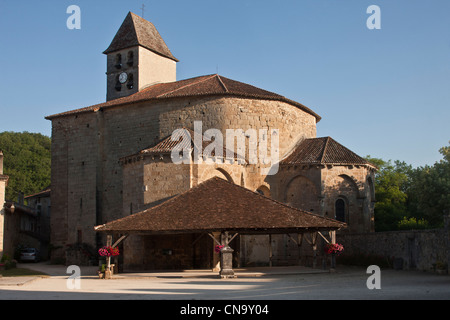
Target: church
x=113, y=168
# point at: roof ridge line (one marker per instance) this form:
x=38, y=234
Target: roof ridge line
x=221, y=82
x=134, y=26
x=324, y=149
x=185, y=86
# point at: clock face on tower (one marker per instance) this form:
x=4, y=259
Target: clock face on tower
x=123, y=77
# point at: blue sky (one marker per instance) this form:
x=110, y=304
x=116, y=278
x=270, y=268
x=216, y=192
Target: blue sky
x=384, y=93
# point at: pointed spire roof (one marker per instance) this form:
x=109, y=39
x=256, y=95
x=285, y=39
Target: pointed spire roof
x=136, y=31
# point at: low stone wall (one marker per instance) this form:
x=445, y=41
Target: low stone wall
x=422, y=250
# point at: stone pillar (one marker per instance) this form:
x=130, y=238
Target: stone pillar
x=226, y=262
x=226, y=258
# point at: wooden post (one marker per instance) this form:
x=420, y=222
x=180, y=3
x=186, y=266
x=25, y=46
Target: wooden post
x=216, y=257
x=270, y=250
x=333, y=255
x=108, y=259
x=314, y=247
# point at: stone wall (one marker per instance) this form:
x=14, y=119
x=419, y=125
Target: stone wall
x=146, y=182
x=352, y=184
x=419, y=250
x=75, y=175
x=317, y=188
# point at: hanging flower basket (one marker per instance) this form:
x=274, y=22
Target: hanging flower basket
x=108, y=251
x=218, y=248
x=335, y=248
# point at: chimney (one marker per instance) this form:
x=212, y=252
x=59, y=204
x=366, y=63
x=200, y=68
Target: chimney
x=1, y=162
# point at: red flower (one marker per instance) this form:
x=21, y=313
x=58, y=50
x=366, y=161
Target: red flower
x=334, y=248
x=108, y=251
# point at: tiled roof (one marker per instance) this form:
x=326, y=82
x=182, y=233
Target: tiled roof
x=43, y=193
x=209, y=85
x=323, y=151
x=219, y=205
x=167, y=146
x=136, y=31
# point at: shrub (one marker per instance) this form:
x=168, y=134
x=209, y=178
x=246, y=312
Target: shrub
x=412, y=224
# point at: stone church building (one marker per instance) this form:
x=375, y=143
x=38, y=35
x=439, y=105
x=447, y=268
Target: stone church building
x=113, y=159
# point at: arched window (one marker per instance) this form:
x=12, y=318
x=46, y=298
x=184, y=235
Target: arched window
x=130, y=83
x=340, y=210
x=118, y=86
x=118, y=61
x=130, y=60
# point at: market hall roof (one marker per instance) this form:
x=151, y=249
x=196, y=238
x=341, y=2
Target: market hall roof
x=323, y=151
x=209, y=85
x=136, y=31
x=219, y=205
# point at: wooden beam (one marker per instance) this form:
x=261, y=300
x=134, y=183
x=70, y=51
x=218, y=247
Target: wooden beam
x=234, y=236
x=214, y=238
x=320, y=234
x=119, y=240
x=198, y=238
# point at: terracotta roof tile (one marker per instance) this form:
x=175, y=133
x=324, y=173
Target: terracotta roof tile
x=209, y=85
x=323, y=151
x=167, y=145
x=219, y=205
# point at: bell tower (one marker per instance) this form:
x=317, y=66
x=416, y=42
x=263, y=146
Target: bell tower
x=137, y=58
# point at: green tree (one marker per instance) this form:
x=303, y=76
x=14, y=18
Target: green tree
x=27, y=162
x=392, y=181
x=429, y=193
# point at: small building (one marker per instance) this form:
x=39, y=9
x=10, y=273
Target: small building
x=27, y=225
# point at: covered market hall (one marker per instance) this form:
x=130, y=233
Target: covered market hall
x=210, y=226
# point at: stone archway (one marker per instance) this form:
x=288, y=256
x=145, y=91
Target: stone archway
x=301, y=193
x=224, y=174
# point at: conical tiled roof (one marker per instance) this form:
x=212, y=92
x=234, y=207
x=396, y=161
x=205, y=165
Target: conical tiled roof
x=136, y=31
x=323, y=151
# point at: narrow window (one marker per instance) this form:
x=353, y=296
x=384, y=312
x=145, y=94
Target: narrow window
x=119, y=61
x=130, y=61
x=340, y=210
x=130, y=83
x=118, y=84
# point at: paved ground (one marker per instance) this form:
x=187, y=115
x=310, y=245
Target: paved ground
x=251, y=284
